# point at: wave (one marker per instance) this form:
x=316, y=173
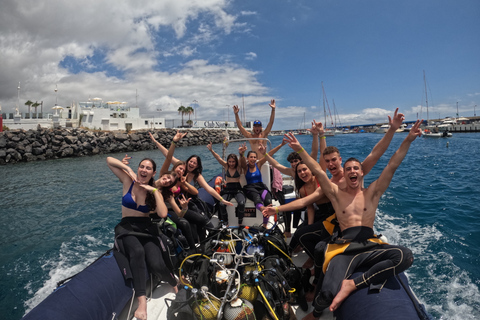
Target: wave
x=73, y=257
x=447, y=290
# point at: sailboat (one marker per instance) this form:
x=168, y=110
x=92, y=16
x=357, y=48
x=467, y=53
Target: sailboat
x=336, y=116
x=430, y=130
x=328, y=132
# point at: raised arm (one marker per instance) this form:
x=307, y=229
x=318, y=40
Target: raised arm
x=171, y=150
x=323, y=145
x=161, y=209
x=269, y=126
x=123, y=172
x=383, y=144
x=201, y=181
x=262, y=149
x=245, y=133
x=162, y=149
x=243, y=162
x=187, y=187
x=315, y=132
x=382, y=183
x=278, y=166
x=222, y=162
x=330, y=189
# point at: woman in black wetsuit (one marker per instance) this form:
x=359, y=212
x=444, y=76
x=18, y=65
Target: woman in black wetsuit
x=233, y=189
x=140, y=199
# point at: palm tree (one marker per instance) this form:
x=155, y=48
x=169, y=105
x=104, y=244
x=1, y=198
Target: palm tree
x=189, y=110
x=182, y=110
x=29, y=104
x=35, y=105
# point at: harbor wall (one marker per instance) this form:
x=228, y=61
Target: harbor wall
x=43, y=144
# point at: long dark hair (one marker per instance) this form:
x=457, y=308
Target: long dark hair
x=298, y=181
x=150, y=198
x=167, y=191
x=198, y=170
x=234, y=157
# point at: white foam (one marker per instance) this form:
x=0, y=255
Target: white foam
x=72, y=258
x=446, y=290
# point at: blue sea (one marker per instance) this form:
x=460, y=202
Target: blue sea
x=57, y=216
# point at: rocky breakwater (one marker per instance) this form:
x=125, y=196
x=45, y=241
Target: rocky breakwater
x=43, y=144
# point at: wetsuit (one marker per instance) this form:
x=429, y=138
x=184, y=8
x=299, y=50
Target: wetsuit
x=197, y=215
x=233, y=190
x=358, y=247
x=136, y=239
x=311, y=234
x=256, y=190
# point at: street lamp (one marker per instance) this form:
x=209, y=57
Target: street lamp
x=195, y=102
x=56, y=95
x=18, y=98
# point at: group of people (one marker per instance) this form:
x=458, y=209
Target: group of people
x=339, y=210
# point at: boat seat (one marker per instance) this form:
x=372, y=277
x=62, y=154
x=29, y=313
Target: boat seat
x=252, y=215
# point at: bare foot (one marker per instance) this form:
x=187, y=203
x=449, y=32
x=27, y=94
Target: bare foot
x=310, y=317
x=141, y=312
x=175, y=289
x=308, y=264
x=348, y=286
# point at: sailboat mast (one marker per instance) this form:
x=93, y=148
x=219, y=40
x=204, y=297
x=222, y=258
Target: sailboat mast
x=324, y=111
x=426, y=95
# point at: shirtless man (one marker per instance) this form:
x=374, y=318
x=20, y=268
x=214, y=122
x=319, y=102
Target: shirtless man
x=257, y=131
x=355, y=207
x=333, y=160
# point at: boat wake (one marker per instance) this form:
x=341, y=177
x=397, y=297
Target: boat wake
x=446, y=290
x=73, y=257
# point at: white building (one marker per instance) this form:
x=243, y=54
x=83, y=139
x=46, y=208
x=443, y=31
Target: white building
x=95, y=114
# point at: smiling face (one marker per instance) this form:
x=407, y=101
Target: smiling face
x=166, y=180
x=232, y=164
x=252, y=158
x=192, y=164
x=146, y=171
x=303, y=172
x=180, y=170
x=334, y=163
x=353, y=173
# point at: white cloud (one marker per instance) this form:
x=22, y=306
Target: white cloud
x=248, y=13
x=123, y=37
x=250, y=56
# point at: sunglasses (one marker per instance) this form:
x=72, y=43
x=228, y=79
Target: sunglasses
x=257, y=123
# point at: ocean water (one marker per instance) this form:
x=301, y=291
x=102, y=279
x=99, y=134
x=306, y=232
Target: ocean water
x=57, y=216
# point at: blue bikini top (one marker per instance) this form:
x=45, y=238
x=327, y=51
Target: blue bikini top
x=128, y=202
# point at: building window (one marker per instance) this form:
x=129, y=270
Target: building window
x=146, y=122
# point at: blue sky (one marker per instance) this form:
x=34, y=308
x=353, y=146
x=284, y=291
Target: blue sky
x=370, y=56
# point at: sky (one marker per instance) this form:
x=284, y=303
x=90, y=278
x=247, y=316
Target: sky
x=370, y=55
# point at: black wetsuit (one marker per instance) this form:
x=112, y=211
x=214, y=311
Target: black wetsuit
x=233, y=190
x=308, y=235
x=136, y=238
x=360, y=249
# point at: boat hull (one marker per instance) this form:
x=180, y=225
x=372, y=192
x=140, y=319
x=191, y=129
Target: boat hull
x=99, y=292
